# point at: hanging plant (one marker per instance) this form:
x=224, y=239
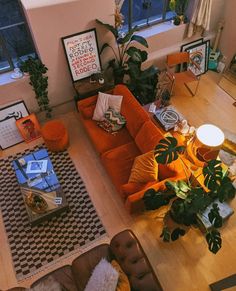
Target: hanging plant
x=39, y=81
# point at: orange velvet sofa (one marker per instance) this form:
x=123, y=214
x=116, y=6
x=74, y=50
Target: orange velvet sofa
x=118, y=151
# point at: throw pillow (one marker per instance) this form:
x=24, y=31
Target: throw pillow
x=106, y=125
x=112, y=122
x=115, y=118
x=145, y=169
x=104, y=101
x=104, y=278
x=123, y=281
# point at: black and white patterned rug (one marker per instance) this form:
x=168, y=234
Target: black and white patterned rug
x=35, y=247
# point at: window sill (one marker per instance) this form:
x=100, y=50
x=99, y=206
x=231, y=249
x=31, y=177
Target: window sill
x=5, y=78
x=158, y=28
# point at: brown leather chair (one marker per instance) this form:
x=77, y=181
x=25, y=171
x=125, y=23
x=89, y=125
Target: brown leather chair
x=125, y=249
x=181, y=63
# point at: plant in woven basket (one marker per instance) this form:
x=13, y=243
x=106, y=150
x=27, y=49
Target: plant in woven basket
x=39, y=81
x=128, y=59
x=188, y=199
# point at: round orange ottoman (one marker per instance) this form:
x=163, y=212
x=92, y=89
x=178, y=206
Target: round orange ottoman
x=55, y=136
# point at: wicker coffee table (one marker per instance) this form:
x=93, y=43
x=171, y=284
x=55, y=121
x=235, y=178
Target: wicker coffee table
x=41, y=190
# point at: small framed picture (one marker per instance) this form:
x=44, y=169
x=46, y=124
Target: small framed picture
x=82, y=54
x=29, y=127
x=9, y=113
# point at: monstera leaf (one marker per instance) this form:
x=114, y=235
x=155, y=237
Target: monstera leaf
x=177, y=233
x=226, y=190
x=166, y=234
x=167, y=150
x=213, y=174
x=214, y=216
x=180, y=188
x=214, y=241
x=136, y=54
x=154, y=199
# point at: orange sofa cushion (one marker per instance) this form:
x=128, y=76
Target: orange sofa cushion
x=145, y=169
x=133, y=112
x=119, y=161
x=104, y=141
x=172, y=169
x=148, y=137
x=131, y=188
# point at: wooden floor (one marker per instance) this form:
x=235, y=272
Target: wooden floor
x=180, y=266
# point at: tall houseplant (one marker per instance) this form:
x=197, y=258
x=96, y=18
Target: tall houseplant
x=127, y=62
x=39, y=81
x=188, y=199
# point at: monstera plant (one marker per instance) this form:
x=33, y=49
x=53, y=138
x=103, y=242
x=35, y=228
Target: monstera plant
x=188, y=199
x=127, y=62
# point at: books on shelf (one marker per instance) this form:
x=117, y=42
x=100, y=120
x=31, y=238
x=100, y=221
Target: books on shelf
x=203, y=220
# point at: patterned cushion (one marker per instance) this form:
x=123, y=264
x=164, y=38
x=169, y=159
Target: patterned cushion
x=112, y=122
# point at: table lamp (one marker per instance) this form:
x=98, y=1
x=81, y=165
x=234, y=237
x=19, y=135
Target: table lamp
x=205, y=144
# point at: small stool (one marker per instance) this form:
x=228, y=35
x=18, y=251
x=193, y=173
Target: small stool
x=55, y=136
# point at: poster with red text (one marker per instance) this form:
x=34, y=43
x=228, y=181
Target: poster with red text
x=82, y=54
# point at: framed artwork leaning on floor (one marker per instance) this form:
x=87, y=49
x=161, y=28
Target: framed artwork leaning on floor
x=9, y=113
x=198, y=54
x=29, y=127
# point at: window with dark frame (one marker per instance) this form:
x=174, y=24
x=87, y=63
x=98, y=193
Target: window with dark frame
x=15, y=39
x=143, y=13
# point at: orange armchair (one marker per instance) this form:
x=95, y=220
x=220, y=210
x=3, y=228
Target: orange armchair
x=187, y=76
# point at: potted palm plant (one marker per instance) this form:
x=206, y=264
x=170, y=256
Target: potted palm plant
x=189, y=200
x=128, y=60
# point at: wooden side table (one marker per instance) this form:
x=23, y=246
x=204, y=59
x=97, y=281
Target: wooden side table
x=84, y=88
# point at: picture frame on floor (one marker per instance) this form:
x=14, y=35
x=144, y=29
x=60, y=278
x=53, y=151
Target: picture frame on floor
x=82, y=54
x=184, y=47
x=9, y=113
x=198, y=54
x=29, y=127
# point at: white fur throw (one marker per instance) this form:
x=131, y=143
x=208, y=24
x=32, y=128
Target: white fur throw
x=104, y=277
x=48, y=284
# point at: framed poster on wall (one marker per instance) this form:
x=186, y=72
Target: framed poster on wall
x=82, y=54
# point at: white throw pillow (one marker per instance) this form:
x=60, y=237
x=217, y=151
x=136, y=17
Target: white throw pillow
x=105, y=101
x=104, y=278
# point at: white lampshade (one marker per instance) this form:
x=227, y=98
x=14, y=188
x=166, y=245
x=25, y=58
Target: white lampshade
x=210, y=135
x=206, y=144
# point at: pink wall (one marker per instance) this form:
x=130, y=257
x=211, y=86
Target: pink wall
x=228, y=37
x=50, y=20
